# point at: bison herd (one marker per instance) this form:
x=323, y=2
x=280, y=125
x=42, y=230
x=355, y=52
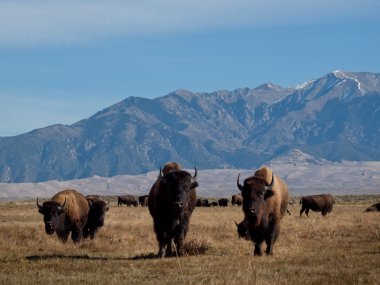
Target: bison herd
x=264, y=199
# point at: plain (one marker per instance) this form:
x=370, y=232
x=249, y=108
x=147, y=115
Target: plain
x=342, y=248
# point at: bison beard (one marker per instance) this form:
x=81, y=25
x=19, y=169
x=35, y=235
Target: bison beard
x=265, y=200
x=171, y=202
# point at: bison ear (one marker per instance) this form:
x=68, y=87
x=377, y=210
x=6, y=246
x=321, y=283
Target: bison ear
x=194, y=184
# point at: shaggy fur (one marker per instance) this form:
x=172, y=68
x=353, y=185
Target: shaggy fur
x=171, y=202
x=72, y=217
x=96, y=216
x=129, y=200
x=263, y=208
x=318, y=203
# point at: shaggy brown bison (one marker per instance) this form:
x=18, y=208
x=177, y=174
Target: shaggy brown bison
x=317, y=203
x=237, y=199
x=223, y=202
x=66, y=212
x=374, y=207
x=265, y=200
x=143, y=200
x=171, y=202
x=128, y=200
x=202, y=203
x=96, y=215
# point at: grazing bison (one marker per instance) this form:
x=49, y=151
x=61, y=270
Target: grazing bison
x=171, y=202
x=128, y=200
x=265, y=200
x=96, y=215
x=223, y=202
x=317, y=203
x=237, y=199
x=213, y=204
x=374, y=207
x=66, y=212
x=202, y=203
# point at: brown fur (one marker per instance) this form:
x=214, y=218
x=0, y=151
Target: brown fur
x=236, y=199
x=319, y=203
x=72, y=219
x=171, y=219
x=263, y=209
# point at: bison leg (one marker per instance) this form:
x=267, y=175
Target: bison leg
x=63, y=236
x=169, y=251
x=257, y=251
x=93, y=233
x=302, y=210
x=76, y=235
x=307, y=212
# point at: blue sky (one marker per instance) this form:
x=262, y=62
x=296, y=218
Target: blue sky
x=62, y=61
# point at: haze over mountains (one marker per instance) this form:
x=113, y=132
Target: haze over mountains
x=334, y=118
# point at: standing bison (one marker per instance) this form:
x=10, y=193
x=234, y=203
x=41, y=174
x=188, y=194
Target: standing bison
x=96, y=215
x=171, y=202
x=143, y=200
x=129, y=200
x=317, y=203
x=265, y=200
x=66, y=212
x=223, y=202
x=237, y=199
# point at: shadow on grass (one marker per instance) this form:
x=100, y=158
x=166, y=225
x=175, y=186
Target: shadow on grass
x=61, y=256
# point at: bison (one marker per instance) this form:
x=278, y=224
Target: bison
x=171, y=202
x=374, y=207
x=223, y=202
x=202, y=203
x=143, y=200
x=96, y=215
x=236, y=199
x=242, y=229
x=128, y=200
x=66, y=212
x=317, y=203
x=265, y=200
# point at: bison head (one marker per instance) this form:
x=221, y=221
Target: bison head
x=96, y=215
x=178, y=185
x=51, y=211
x=255, y=192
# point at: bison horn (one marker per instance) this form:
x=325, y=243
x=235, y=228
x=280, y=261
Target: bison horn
x=60, y=208
x=38, y=205
x=160, y=175
x=196, y=172
x=236, y=224
x=238, y=184
x=270, y=187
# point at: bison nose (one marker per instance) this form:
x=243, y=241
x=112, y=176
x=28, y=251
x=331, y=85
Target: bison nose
x=178, y=205
x=252, y=211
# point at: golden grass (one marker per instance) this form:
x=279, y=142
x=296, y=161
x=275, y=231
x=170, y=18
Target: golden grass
x=342, y=248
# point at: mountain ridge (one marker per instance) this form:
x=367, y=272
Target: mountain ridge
x=333, y=118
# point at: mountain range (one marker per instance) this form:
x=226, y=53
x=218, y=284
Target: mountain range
x=333, y=118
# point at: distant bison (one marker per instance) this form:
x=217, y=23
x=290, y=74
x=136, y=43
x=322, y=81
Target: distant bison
x=129, y=200
x=202, y=203
x=223, y=202
x=213, y=204
x=143, y=200
x=171, y=202
x=96, y=215
x=66, y=212
x=265, y=200
x=374, y=207
x=237, y=199
x=317, y=203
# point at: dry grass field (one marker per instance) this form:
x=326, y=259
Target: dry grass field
x=342, y=248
